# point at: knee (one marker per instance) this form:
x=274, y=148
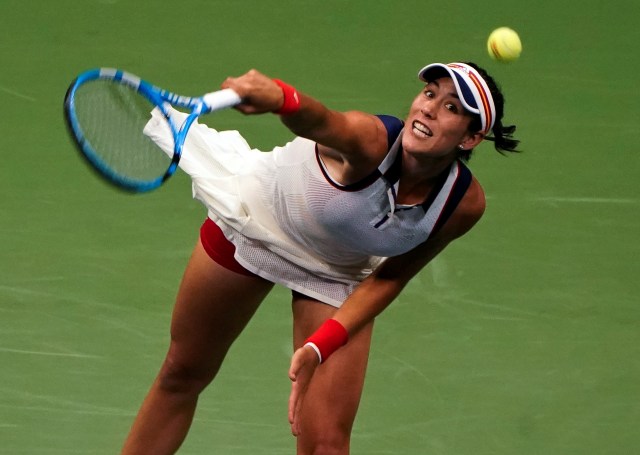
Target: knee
x=330, y=449
x=325, y=442
x=181, y=378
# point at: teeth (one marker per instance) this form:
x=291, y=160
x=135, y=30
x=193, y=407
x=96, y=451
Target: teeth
x=422, y=129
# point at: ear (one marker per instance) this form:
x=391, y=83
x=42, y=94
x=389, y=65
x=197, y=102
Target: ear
x=471, y=141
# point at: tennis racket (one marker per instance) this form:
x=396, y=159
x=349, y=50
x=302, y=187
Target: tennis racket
x=106, y=111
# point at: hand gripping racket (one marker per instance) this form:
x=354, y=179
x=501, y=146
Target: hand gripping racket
x=106, y=110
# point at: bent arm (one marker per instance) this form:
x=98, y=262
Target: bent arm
x=368, y=300
x=377, y=292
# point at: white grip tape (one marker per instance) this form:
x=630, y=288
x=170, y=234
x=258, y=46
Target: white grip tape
x=221, y=99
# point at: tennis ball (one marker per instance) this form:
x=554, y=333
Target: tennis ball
x=504, y=44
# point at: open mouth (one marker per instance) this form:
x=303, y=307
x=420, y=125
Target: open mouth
x=421, y=130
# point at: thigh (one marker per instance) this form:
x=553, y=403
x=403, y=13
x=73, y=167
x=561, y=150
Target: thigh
x=212, y=307
x=333, y=397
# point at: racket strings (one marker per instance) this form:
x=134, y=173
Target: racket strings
x=112, y=117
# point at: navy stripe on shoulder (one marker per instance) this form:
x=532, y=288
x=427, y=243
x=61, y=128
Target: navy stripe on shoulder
x=393, y=126
x=457, y=193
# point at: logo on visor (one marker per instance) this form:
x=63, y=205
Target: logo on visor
x=460, y=67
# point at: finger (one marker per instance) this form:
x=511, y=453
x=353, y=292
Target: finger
x=296, y=395
x=295, y=429
x=303, y=365
x=295, y=404
x=294, y=369
x=229, y=82
x=293, y=401
x=246, y=109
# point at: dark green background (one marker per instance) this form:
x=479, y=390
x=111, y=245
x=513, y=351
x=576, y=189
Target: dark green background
x=521, y=338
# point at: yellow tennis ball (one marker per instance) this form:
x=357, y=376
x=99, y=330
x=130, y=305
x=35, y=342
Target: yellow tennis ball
x=504, y=44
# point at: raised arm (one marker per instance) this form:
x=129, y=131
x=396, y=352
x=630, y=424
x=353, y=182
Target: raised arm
x=352, y=135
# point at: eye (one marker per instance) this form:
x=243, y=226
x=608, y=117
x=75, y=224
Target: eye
x=429, y=93
x=451, y=107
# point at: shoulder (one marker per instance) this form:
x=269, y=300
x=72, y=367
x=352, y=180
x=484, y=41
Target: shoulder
x=368, y=132
x=393, y=126
x=467, y=213
x=368, y=146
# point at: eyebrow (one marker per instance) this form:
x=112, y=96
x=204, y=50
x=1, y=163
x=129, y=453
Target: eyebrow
x=453, y=94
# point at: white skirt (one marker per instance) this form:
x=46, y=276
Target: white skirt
x=222, y=167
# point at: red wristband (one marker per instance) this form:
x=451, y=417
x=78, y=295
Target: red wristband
x=328, y=338
x=291, y=99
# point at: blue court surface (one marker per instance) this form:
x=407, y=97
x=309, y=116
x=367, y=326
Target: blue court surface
x=523, y=338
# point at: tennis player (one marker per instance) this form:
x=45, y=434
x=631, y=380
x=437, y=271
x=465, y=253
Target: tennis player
x=344, y=215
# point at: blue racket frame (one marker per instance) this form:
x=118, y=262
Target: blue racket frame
x=159, y=97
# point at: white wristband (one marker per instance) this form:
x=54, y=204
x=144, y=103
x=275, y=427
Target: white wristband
x=315, y=348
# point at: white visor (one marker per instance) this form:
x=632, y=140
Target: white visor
x=472, y=89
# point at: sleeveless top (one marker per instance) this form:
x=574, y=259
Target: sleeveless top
x=292, y=224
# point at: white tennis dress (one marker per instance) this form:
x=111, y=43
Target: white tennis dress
x=291, y=223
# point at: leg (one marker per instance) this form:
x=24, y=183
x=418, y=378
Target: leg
x=332, y=400
x=213, y=306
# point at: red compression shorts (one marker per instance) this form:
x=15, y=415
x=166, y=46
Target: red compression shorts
x=219, y=248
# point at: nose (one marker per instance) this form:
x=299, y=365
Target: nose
x=428, y=110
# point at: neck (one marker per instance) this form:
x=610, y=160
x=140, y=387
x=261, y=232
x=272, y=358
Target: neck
x=419, y=175
x=416, y=168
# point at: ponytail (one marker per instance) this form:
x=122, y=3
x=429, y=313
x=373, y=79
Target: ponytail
x=502, y=138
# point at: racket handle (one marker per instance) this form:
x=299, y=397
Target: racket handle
x=221, y=99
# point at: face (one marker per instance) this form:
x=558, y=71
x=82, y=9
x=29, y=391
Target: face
x=437, y=123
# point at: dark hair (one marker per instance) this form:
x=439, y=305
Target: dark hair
x=502, y=139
